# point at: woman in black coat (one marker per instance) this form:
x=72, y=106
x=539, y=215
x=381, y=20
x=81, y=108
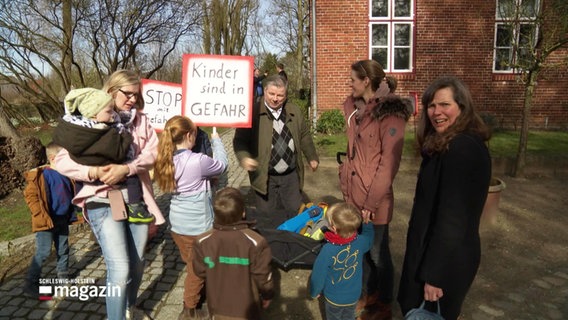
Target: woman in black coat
x=443, y=246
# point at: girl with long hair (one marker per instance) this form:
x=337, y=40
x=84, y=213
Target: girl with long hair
x=187, y=175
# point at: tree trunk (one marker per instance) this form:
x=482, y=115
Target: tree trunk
x=520, y=161
x=206, y=29
x=67, y=54
x=17, y=155
x=6, y=128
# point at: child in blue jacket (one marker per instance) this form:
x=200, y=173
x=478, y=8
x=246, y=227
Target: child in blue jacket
x=48, y=195
x=338, y=269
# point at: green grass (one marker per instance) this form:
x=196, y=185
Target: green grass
x=329, y=145
x=540, y=143
x=502, y=144
x=15, y=218
x=43, y=133
x=16, y=221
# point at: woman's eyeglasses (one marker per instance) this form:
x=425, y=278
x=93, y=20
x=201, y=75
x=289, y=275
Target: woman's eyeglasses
x=129, y=95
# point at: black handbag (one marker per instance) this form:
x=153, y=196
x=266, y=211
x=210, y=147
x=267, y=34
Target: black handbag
x=422, y=314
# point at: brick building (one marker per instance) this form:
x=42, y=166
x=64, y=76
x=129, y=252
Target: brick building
x=418, y=41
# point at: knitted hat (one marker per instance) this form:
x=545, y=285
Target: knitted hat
x=88, y=101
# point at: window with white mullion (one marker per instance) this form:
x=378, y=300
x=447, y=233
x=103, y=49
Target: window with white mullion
x=379, y=9
x=503, y=49
x=517, y=9
x=391, y=34
x=402, y=55
x=391, y=9
x=515, y=34
x=391, y=45
x=380, y=44
x=403, y=9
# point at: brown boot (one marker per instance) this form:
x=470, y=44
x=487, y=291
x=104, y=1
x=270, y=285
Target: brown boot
x=372, y=300
x=188, y=314
x=382, y=311
x=360, y=307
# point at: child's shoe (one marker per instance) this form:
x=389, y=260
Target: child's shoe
x=138, y=213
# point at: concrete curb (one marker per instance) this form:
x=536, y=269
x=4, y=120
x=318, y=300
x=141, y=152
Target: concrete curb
x=14, y=247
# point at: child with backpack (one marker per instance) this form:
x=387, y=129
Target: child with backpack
x=48, y=195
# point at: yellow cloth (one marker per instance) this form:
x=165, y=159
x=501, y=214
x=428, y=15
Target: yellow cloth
x=88, y=101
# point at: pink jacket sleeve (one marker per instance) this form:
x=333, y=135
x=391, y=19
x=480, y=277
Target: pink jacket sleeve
x=67, y=167
x=146, y=144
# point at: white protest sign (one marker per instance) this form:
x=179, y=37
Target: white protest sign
x=217, y=90
x=162, y=100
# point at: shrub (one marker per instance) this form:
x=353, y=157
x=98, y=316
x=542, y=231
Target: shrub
x=489, y=120
x=331, y=122
x=303, y=104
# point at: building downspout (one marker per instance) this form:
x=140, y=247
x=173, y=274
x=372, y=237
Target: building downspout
x=313, y=91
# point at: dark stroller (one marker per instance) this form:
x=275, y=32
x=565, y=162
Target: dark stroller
x=289, y=249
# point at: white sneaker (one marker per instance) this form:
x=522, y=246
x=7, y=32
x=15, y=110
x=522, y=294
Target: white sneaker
x=135, y=313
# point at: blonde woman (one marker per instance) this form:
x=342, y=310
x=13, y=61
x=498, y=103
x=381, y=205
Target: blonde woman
x=122, y=242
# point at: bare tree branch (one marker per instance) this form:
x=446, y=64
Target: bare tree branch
x=226, y=25
x=50, y=46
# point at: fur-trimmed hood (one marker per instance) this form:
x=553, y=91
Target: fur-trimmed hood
x=383, y=104
x=391, y=105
